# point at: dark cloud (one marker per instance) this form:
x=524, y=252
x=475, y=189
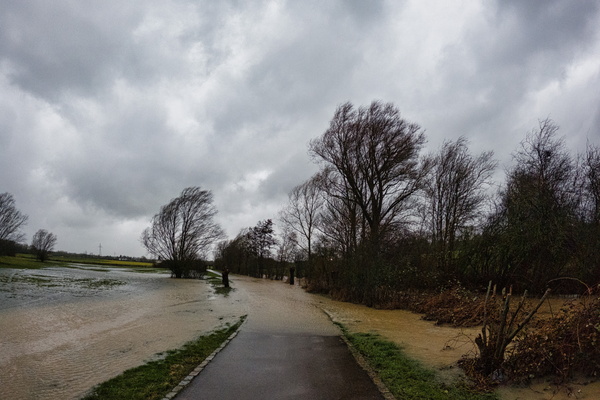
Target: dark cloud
x=109, y=109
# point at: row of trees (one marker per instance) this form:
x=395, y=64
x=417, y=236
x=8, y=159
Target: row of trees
x=380, y=217
x=251, y=252
x=11, y=222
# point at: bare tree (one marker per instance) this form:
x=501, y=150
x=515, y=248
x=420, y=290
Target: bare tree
x=287, y=247
x=341, y=224
x=287, y=250
x=375, y=154
x=262, y=239
x=43, y=243
x=183, y=230
x=302, y=213
x=591, y=184
x=588, y=230
x=235, y=254
x=11, y=219
x=536, y=218
x=454, y=192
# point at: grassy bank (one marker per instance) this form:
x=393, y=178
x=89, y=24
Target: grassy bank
x=216, y=281
x=22, y=261
x=155, y=379
x=406, y=378
x=102, y=261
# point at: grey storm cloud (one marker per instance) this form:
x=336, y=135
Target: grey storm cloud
x=109, y=109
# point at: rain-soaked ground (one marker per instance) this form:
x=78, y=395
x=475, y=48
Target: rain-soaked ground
x=63, y=330
x=440, y=347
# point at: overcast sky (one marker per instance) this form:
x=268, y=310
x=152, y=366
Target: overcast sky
x=109, y=109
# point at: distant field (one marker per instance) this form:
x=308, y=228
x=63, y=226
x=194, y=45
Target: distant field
x=102, y=261
x=29, y=261
x=21, y=261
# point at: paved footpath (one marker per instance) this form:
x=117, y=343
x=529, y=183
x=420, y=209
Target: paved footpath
x=287, y=349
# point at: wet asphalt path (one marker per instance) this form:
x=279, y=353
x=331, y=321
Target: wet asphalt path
x=286, y=349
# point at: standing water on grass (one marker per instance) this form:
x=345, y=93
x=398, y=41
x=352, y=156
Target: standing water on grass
x=64, y=330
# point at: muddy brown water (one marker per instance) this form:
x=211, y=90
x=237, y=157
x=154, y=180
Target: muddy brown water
x=64, y=330
x=440, y=347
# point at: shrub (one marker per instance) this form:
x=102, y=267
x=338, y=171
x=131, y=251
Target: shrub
x=564, y=345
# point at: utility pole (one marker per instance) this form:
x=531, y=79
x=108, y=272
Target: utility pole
x=100, y=250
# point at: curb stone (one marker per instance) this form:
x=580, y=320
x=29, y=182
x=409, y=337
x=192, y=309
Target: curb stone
x=383, y=389
x=185, y=381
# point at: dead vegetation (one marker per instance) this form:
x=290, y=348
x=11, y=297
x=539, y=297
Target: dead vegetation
x=517, y=343
x=564, y=346
x=515, y=348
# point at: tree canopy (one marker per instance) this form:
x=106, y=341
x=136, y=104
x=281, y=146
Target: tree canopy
x=183, y=230
x=11, y=219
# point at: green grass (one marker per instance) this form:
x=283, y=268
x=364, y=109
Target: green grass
x=102, y=261
x=216, y=281
x=23, y=261
x=404, y=377
x=28, y=261
x=155, y=379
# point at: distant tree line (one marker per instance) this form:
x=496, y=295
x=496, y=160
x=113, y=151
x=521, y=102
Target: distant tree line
x=380, y=216
x=12, y=239
x=256, y=251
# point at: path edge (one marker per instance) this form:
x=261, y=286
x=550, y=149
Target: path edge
x=364, y=364
x=186, y=381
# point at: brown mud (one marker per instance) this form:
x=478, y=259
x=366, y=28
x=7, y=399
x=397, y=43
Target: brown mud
x=440, y=347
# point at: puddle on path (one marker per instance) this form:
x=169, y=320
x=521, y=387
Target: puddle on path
x=63, y=330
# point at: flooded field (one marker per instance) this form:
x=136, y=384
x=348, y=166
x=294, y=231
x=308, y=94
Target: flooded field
x=64, y=330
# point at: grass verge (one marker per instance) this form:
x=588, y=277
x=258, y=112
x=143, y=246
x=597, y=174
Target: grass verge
x=216, y=281
x=406, y=378
x=156, y=379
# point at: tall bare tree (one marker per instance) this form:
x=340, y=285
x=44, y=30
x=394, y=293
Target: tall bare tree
x=537, y=215
x=262, y=239
x=11, y=219
x=588, y=240
x=341, y=224
x=183, y=230
x=591, y=184
x=454, y=192
x=375, y=155
x=235, y=254
x=301, y=215
x=43, y=243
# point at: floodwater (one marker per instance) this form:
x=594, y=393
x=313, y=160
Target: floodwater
x=440, y=347
x=64, y=330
